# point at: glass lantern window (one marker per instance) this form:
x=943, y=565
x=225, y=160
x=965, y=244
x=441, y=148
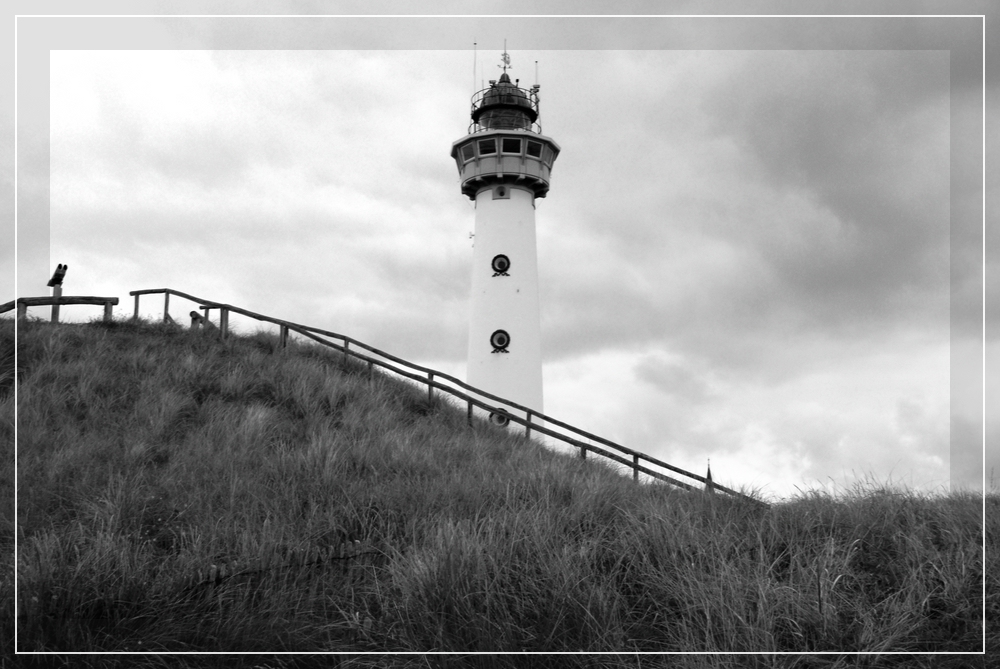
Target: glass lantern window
x=487, y=147
x=468, y=152
x=511, y=145
x=534, y=149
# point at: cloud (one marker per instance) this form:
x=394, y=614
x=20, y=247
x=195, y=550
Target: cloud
x=305, y=168
x=868, y=145
x=773, y=195
x=674, y=379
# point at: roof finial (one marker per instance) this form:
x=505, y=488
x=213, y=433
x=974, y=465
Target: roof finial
x=505, y=57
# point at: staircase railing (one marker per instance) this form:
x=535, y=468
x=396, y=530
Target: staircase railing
x=433, y=379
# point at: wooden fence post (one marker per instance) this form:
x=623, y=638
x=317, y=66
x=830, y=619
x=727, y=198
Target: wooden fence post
x=527, y=426
x=430, y=388
x=135, y=316
x=224, y=322
x=166, y=307
x=470, y=413
x=635, y=467
x=22, y=311
x=107, y=312
x=583, y=452
x=283, y=336
x=346, y=344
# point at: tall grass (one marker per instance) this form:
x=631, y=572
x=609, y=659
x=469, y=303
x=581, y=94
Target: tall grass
x=177, y=493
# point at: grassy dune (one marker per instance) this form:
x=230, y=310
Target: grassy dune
x=176, y=493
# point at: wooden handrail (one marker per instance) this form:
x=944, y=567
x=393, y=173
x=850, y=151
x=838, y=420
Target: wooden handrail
x=428, y=377
x=24, y=302
x=65, y=299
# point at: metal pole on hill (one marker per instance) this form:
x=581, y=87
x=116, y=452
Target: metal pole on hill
x=56, y=292
x=55, y=283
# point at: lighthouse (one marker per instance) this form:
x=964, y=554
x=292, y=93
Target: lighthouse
x=504, y=163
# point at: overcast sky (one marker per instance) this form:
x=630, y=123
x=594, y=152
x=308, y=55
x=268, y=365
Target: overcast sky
x=744, y=255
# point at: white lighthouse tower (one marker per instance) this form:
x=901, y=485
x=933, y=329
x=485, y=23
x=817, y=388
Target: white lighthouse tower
x=504, y=165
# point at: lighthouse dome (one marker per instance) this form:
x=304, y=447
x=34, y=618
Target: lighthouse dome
x=505, y=92
x=504, y=106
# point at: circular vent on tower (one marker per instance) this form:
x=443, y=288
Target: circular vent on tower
x=500, y=340
x=500, y=417
x=501, y=264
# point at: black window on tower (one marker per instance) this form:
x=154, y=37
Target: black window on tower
x=511, y=145
x=500, y=417
x=501, y=264
x=500, y=340
x=487, y=147
x=548, y=156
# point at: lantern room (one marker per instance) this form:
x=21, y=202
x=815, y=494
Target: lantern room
x=504, y=106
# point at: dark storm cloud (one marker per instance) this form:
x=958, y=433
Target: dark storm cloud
x=814, y=200
x=852, y=131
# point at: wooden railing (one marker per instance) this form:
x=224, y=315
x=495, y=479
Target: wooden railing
x=433, y=379
x=24, y=302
